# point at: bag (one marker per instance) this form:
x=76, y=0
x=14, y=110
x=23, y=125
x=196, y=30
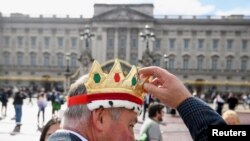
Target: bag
x=42, y=103
x=143, y=137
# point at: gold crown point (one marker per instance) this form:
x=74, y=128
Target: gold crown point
x=115, y=75
x=96, y=77
x=131, y=78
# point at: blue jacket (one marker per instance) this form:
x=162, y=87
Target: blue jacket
x=64, y=136
x=197, y=116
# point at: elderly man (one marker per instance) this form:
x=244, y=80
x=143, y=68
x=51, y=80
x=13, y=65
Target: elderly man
x=102, y=107
x=105, y=106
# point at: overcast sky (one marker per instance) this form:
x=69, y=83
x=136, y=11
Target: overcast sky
x=75, y=8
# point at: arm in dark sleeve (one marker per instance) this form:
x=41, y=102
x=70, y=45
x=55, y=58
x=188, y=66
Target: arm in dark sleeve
x=197, y=116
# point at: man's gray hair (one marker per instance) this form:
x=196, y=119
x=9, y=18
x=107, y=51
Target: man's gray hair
x=78, y=114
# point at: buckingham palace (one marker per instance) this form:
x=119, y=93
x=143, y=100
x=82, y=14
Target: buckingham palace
x=204, y=51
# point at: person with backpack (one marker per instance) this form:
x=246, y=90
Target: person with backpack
x=55, y=101
x=41, y=103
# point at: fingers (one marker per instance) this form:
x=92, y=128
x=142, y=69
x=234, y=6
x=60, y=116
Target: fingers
x=152, y=89
x=156, y=82
x=148, y=71
x=153, y=71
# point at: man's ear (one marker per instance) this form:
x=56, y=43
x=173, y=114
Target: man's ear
x=98, y=117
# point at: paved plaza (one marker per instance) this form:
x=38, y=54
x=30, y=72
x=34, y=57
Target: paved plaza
x=172, y=127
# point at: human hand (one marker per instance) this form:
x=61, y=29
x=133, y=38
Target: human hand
x=165, y=86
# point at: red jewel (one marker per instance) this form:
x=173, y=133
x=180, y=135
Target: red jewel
x=117, y=77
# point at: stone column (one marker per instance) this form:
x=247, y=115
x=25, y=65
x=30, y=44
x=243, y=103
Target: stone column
x=140, y=47
x=116, y=43
x=128, y=45
x=103, y=44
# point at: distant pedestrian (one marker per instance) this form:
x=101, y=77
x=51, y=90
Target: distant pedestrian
x=232, y=101
x=172, y=111
x=30, y=94
x=56, y=101
x=248, y=100
x=18, y=103
x=41, y=103
x=147, y=100
x=150, y=130
x=4, y=100
x=219, y=103
x=244, y=100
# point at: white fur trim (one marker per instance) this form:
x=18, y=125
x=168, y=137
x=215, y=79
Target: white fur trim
x=116, y=103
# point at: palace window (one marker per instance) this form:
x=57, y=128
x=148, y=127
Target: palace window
x=244, y=61
x=186, y=43
x=33, y=42
x=214, y=63
x=172, y=43
x=60, y=42
x=73, y=42
x=6, y=58
x=19, y=41
x=229, y=44
x=46, y=59
x=215, y=43
x=244, y=45
x=46, y=42
x=6, y=41
x=185, y=62
x=200, y=43
x=229, y=63
x=33, y=59
x=200, y=60
x=19, y=58
x=60, y=60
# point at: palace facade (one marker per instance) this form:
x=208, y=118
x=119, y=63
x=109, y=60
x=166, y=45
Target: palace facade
x=204, y=51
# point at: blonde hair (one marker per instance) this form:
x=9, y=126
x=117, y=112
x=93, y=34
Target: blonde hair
x=231, y=117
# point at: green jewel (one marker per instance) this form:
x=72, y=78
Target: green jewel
x=133, y=81
x=97, y=77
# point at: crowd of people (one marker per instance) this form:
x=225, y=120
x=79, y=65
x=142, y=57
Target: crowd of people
x=19, y=95
x=93, y=115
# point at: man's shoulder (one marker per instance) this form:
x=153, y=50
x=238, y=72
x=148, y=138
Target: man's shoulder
x=64, y=136
x=151, y=121
x=153, y=124
x=148, y=123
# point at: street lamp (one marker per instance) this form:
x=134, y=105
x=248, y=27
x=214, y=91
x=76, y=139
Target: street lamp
x=147, y=35
x=86, y=35
x=86, y=56
x=67, y=73
x=147, y=57
x=67, y=63
x=165, y=57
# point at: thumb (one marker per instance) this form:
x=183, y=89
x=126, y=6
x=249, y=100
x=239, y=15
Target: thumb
x=151, y=88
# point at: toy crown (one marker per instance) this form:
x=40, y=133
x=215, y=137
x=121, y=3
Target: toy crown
x=112, y=89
